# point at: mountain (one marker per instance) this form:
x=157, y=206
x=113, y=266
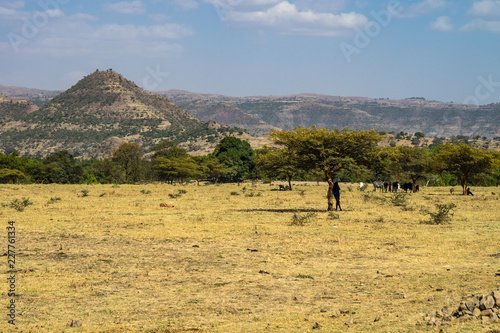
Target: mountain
x=11, y=110
x=257, y=114
x=98, y=113
x=36, y=96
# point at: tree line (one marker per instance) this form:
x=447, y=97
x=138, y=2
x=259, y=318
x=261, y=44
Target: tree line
x=299, y=154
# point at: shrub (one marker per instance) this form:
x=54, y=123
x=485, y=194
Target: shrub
x=20, y=205
x=234, y=193
x=53, y=200
x=145, y=191
x=300, y=220
x=85, y=192
x=333, y=216
x=399, y=199
x=443, y=214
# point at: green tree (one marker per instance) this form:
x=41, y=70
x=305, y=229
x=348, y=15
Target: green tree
x=465, y=162
x=177, y=168
x=329, y=150
x=62, y=168
x=278, y=163
x=214, y=168
x=236, y=154
x=168, y=149
x=128, y=158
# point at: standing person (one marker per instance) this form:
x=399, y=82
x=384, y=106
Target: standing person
x=336, y=194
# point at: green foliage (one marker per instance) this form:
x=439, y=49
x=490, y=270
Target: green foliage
x=53, y=200
x=235, y=193
x=85, y=192
x=399, y=199
x=443, y=214
x=177, y=195
x=465, y=162
x=128, y=157
x=238, y=155
x=302, y=219
x=20, y=204
x=333, y=216
x=145, y=191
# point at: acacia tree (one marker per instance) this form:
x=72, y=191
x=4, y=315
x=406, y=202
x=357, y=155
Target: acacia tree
x=328, y=150
x=278, y=163
x=177, y=168
x=411, y=162
x=465, y=162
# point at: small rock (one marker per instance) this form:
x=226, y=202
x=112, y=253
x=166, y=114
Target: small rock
x=485, y=320
x=317, y=326
x=496, y=296
x=487, y=312
x=487, y=302
x=349, y=322
x=470, y=305
x=476, y=313
x=335, y=313
x=74, y=323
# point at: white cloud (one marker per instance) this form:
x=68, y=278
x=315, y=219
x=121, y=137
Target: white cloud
x=486, y=9
x=442, y=23
x=185, y=4
x=13, y=4
x=286, y=18
x=482, y=25
x=7, y=13
x=134, y=7
x=424, y=7
x=130, y=31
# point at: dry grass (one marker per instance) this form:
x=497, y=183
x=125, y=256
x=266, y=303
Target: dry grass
x=218, y=262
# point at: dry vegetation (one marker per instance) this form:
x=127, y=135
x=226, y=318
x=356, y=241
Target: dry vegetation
x=227, y=259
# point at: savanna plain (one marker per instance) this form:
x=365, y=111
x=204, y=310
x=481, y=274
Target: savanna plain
x=245, y=258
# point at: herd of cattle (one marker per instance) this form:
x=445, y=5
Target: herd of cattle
x=394, y=186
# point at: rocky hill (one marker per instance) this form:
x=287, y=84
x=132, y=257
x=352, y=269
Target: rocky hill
x=98, y=113
x=258, y=114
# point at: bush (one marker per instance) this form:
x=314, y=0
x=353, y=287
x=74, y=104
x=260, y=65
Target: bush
x=20, y=205
x=53, y=200
x=399, y=199
x=85, y=192
x=443, y=215
x=301, y=220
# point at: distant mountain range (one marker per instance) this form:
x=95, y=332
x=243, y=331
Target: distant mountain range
x=104, y=109
x=260, y=113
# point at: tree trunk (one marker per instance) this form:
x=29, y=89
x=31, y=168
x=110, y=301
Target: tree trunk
x=329, y=195
x=290, y=182
x=464, y=186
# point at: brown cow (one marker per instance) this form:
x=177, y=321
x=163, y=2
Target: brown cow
x=452, y=190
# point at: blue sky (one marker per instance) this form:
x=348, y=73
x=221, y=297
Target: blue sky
x=437, y=49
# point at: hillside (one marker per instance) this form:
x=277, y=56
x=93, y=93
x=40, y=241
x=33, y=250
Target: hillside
x=258, y=114
x=98, y=113
x=11, y=110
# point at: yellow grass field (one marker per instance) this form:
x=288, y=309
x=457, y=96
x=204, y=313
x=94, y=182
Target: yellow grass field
x=228, y=259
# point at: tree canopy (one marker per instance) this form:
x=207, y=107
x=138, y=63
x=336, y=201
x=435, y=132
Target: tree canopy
x=329, y=150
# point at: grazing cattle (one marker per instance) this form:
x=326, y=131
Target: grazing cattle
x=395, y=186
x=407, y=186
x=378, y=185
x=165, y=205
x=452, y=191
x=386, y=186
x=284, y=188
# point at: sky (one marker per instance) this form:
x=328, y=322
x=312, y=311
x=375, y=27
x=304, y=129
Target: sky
x=437, y=49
